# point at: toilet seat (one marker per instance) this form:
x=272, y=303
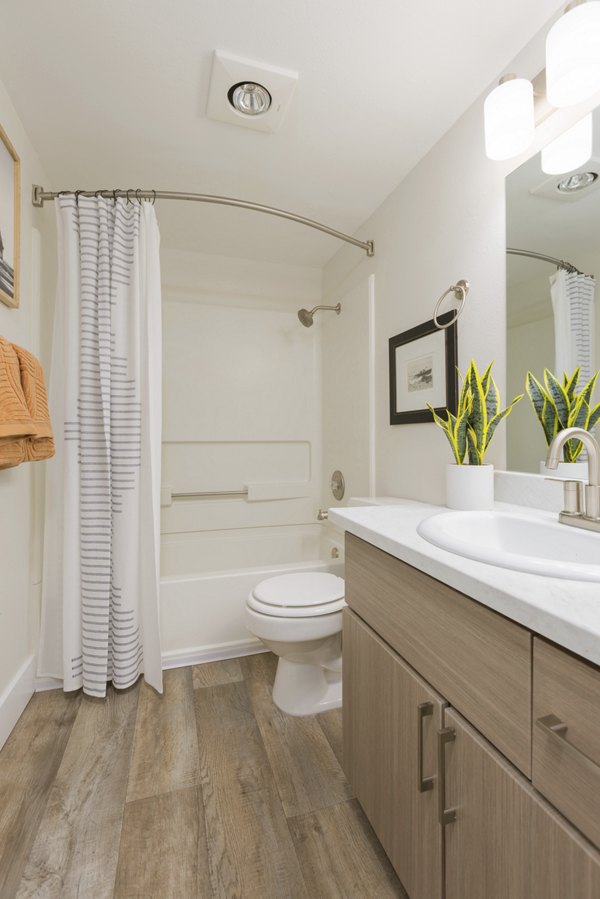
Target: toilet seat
x=302, y=595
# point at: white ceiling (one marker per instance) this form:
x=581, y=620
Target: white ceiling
x=113, y=94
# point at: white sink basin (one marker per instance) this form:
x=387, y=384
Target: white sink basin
x=518, y=542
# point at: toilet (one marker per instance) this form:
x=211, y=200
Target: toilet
x=299, y=618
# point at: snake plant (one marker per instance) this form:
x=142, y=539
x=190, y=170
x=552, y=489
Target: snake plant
x=558, y=406
x=478, y=414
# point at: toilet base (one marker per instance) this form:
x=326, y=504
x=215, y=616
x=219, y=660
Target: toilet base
x=306, y=689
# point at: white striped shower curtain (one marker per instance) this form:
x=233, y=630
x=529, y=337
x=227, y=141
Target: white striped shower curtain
x=574, y=323
x=100, y=591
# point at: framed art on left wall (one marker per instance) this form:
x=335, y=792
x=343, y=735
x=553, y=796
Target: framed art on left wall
x=10, y=191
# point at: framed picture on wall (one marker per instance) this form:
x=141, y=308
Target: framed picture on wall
x=423, y=370
x=10, y=190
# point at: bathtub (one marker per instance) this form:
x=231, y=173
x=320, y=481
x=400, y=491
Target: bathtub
x=205, y=580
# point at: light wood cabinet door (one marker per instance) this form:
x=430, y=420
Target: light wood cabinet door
x=391, y=718
x=565, y=865
x=488, y=845
x=566, y=735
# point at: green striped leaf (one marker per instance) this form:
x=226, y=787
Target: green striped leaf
x=570, y=383
x=549, y=420
x=559, y=397
x=478, y=416
x=594, y=417
x=588, y=390
x=475, y=455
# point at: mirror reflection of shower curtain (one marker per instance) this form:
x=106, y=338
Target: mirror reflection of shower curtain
x=573, y=303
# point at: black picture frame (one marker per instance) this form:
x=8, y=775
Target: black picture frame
x=450, y=342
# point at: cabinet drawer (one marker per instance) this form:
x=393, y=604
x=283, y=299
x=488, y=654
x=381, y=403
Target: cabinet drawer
x=477, y=659
x=566, y=735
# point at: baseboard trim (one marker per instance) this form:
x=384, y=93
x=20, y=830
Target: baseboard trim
x=15, y=697
x=47, y=683
x=181, y=658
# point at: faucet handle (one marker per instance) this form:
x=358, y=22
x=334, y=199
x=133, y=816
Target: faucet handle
x=572, y=495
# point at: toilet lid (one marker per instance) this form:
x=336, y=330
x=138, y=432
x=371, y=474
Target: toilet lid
x=299, y=595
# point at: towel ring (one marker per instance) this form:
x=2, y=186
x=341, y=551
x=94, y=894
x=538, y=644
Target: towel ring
x=460, y=291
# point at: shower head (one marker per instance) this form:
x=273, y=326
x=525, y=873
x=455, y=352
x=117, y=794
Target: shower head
x=306, y=317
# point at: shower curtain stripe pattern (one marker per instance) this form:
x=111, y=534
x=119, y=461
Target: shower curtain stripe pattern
x=110, y=604
x=574, y=322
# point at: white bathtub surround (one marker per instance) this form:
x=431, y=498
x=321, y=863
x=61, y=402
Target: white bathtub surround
x=469, y=486
x=567, y=612
x=100, y=618
x=206, y=577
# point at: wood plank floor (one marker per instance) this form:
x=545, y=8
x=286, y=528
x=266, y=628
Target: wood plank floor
x=208, y=792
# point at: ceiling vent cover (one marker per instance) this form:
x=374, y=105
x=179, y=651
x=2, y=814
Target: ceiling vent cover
x=230, y=72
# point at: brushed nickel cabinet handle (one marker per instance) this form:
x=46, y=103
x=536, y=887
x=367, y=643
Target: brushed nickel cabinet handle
x=424, y=710
x=557, y=729
x=445, y=735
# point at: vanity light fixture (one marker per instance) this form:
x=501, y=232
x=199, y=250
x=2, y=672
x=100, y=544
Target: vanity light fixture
x=573, y=55
x=569, y=151
x=509, y=118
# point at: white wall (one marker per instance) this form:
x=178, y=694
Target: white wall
x=444, y=222
x=20, y=488
x=347, y=346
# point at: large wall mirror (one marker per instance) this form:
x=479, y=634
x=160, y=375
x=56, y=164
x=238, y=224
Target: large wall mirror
x=564, y=224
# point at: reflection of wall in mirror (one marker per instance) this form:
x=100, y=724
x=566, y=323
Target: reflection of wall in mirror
x=530, y=346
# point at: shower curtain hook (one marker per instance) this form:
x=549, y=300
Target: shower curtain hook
x=129, y=189
x=138, y=191
x=154, y=197
x=116, y=191
x=77, y=192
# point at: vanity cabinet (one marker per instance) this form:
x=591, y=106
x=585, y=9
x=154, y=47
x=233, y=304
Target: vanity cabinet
x=425, y=665
x=391, y=718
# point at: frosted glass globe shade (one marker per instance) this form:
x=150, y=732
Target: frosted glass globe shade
x=508, y=118
x=573, y=56
x=570, y=150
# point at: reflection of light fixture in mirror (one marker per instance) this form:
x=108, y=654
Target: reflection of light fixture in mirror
x=249, y=98
x=579, y=181
x=508, y=116
x=573, y=55
x=570, y=150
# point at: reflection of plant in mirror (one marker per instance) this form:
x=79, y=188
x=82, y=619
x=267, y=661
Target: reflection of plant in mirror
x=557, y=407
x=477, y=417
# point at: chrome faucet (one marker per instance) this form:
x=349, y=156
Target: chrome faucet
x=582, y=511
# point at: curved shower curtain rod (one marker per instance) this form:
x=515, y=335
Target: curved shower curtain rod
x=559, y=263
x=39, y=197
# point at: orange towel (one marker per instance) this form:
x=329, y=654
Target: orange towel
x=41, y=444
x=25, y=430
x=15, y=419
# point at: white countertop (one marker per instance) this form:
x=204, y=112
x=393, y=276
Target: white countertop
x=567, y=612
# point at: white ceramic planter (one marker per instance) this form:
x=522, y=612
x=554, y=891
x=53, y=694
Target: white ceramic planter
x=577, y=471
x=470, y=487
